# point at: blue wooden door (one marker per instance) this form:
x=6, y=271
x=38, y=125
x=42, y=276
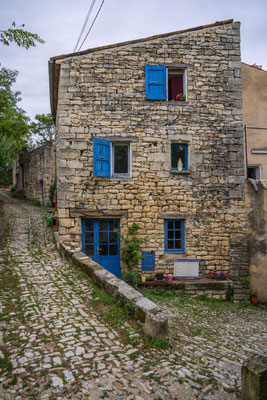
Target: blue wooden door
x=101, y=243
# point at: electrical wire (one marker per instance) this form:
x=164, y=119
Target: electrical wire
x=92, y=24
x=84, y=25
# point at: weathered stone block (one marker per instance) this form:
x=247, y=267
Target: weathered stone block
x=254, y=378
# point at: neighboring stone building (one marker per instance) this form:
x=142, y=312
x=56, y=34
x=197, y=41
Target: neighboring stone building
x=129, y=151
x=254, y=93
x=34, y=172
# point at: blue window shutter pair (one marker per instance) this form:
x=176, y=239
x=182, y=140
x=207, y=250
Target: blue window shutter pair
x=156, y=82
x=101, y=157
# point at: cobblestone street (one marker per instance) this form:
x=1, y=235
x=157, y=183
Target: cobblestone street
x=55, y=344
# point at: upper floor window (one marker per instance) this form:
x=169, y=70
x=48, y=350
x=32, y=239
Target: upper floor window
x=164, y=82
x=179, y=156
x=121, y=159
x=111, y=158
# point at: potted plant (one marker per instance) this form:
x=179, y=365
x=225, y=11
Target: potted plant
x=253, y=297
x=180, y=97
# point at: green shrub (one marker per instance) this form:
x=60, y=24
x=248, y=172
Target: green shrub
x=131, y=277
x=229, y=293
x=130, y=251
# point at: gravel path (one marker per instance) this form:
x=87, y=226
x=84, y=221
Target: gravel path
x=55, y=345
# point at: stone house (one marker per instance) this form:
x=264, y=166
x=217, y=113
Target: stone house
x=150, y=131
x=254, y=93
x=34, y=172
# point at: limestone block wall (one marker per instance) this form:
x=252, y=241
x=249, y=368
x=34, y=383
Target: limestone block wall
x=34, y=172
x=102, y=94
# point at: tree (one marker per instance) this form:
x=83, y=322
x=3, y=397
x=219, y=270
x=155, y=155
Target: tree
x=21, y=37
x=14, y=130
x=42, y=131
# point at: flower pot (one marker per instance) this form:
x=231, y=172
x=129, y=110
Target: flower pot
x=253, y=300
x=170, y=278
x=143, y=278
x=159, y=276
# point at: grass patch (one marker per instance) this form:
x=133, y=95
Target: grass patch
x=120, y=318
x=5, y=364
x=160, y=294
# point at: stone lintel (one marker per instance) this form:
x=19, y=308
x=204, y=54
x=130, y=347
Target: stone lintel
x=172, y=216
x=122, y=139
x=82, y=212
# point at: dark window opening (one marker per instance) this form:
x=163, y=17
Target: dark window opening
x=176, y=85
x=179, y=156
x=253, y=172
x=121, y=159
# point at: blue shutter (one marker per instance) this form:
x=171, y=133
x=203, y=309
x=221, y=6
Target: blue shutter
x=156, y=82
x=101, y=157
x=148, y=261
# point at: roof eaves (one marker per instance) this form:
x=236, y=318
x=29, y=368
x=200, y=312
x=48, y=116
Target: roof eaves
x=197, y=28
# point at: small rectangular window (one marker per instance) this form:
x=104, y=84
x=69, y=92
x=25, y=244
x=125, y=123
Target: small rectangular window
x=179, y=156
x=121, y=159
x=254, y=172
x=176, y=85
x=174, y=236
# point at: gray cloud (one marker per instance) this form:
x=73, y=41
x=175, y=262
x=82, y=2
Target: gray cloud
x=59, y=23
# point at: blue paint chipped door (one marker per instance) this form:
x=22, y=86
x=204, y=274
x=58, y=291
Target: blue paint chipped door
x=101, y=243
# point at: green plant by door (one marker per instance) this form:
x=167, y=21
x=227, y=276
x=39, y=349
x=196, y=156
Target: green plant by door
x=130, y=250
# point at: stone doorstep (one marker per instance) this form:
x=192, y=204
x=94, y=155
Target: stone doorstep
x=153, y=318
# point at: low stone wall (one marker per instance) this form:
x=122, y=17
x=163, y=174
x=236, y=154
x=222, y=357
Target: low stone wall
x=154, y=321
x=215, y=289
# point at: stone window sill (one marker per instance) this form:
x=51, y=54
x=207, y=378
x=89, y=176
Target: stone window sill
x=176, y=172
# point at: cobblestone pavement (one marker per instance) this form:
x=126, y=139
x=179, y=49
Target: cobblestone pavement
x=55, y=345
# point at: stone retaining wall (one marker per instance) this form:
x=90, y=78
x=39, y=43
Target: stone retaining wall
x=34, y=172
x=215, y=289
x=153, y=319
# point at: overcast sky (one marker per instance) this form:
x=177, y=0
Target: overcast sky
x=59, y=23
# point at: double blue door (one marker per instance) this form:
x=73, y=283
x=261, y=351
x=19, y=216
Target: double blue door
x=101, y=242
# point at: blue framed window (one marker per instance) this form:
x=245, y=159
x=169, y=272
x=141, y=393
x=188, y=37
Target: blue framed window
x=111, y=159
x=165, y=83
x=174, y=236
x=179, y=155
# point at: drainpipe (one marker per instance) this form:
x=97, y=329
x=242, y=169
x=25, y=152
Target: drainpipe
x=246, y=147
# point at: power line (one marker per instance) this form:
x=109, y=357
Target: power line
x=92, y=24
x=84, y=25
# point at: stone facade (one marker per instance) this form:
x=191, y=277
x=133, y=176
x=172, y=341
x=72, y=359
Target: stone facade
x=101, y=94
x=34, y=172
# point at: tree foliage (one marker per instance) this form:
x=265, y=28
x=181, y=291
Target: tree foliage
x=14, y=130
x=43, y=130
x=19, y=36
